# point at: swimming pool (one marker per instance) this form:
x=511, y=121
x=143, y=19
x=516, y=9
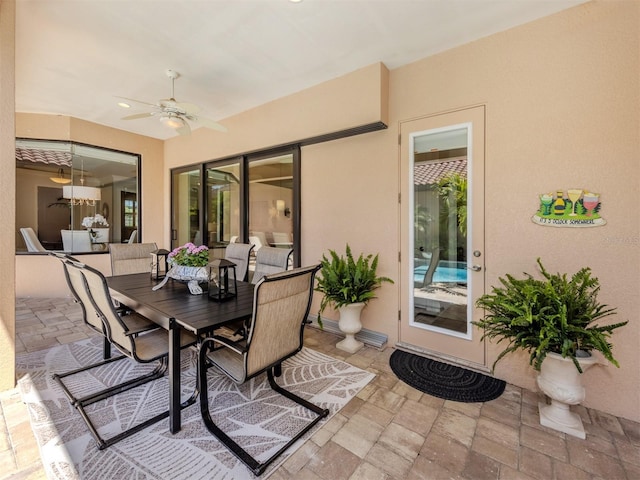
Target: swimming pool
x=443, y=274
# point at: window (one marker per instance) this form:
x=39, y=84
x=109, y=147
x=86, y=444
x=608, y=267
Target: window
x=73, y=195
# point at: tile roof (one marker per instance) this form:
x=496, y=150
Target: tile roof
x=427, y=173
x=62, y=159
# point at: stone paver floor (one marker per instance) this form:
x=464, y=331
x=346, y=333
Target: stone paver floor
x=388, y=431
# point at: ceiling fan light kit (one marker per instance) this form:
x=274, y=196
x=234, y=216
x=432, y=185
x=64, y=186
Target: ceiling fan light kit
x=174, y=114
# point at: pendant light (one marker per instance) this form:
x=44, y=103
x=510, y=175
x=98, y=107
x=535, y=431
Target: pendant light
x=79, y=194
x=60, y=178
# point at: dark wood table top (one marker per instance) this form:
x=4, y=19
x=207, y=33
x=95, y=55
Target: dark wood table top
x=196, y=313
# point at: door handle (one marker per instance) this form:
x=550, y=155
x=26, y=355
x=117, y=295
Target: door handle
x=475, y=268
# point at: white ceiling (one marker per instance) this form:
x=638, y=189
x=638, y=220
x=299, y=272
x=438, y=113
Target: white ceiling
x=73, y=57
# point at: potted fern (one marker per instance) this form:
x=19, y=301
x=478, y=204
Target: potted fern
x=348, y=285
x=553, y=319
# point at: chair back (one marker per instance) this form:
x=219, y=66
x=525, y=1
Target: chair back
x=270, y=260
x=98, y=292
x=281, y=237
x=76, y=240
x=281, y=304
x=238, y=253
x=31, y=240
x=80, y=292
x=132, y=238
x=256, y=242
x=128, y=258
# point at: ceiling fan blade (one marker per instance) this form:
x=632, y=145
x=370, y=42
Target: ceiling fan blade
x=138, y=101
x=188, y=108
x=138, y=115
x=184, y=130
x=208, y=123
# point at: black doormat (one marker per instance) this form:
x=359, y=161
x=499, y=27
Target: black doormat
x=443, y=380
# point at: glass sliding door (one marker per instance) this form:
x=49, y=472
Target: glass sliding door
x=250, y=199
x=186, y=194
x=271, y=201
x=223, y=212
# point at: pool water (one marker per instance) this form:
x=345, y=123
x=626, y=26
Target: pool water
x=441, y=275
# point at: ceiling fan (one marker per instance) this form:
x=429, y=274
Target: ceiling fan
x=174, y=114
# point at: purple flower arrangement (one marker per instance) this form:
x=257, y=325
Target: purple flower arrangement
x=190, y=255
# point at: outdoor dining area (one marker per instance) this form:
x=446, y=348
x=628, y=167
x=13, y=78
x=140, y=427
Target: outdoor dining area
x=243, y=387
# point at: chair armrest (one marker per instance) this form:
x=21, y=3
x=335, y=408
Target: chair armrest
x=137, y=331
x=227, y=342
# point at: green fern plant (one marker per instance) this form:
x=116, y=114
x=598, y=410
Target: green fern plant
x=554, y=314
x=344, y=280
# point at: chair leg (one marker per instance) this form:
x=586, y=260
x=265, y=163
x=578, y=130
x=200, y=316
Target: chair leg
x=109, y=391
x=81, y=403
x=257, y=467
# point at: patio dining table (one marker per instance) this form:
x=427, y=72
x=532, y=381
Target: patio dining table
x=173, y=308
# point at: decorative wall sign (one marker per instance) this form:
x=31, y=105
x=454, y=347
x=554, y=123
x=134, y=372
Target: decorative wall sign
x=576, y=208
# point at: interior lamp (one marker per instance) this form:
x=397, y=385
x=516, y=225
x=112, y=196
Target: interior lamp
x=60, y=178
x=281, y=208
x=171, y=120
x=79, y=194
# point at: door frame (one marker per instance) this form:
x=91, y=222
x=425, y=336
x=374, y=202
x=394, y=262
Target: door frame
x=464, y=349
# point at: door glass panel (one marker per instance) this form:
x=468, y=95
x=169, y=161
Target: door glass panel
x=223, y=204
x=186, y=194
x=271, y=201
x=440, y=230
x=129, y=214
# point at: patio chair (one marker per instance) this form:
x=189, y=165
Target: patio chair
x=76, y=241
x=132, y=237
x=89, y=316
x=136, y=337
x=281, y=304
x=239, y=253
x=270, y=260
x=31, y=240
x=282, y=238
x=256, y=242
x=128, y=258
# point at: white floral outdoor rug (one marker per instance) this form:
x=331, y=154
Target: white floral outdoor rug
x=257, y=417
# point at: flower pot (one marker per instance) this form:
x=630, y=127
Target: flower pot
x=561, y=381
x=349, y=324
x=192, y=276
x=100, y=235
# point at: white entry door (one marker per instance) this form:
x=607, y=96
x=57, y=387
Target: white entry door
x=442, y=235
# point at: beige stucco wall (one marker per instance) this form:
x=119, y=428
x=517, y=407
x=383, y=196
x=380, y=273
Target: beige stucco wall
x=561, y=95
x=7, y=194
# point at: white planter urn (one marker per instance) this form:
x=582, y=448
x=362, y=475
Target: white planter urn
x=349, y=324
x=561, y=381
x=101, y=235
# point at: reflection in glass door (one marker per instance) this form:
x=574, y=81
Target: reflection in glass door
x=223, y=206
x=440, y=229
x=271, y=209
x=185, y=209
x=442, y=159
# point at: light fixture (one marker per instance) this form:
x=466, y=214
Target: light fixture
x=79, y=194
x=60, y=178
x=281, y=208
x=124, y=105
x=172, y=120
